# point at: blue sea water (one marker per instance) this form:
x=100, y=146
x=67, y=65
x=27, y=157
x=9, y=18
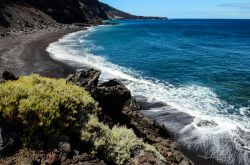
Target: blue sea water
x=201, y=52
x=199, y=67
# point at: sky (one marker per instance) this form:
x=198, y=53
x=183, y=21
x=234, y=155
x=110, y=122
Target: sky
x=237, y=9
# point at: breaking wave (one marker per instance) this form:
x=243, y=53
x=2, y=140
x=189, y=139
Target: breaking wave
x=213, y=131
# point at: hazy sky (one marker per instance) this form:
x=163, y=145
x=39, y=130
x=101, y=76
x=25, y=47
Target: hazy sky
x=185, y=8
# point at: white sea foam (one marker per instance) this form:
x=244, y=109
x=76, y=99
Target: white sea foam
x=226, y=136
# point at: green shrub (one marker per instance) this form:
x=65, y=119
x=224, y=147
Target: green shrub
x=52, y=106
x=49, y=105
x=117, y=145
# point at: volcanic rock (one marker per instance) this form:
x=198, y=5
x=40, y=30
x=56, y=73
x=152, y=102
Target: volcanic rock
x=9, y=139
x=9, y=76
x=112, y=95
x=86, y=78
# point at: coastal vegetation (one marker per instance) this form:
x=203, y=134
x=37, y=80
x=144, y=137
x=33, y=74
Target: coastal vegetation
x=52, y=121
x=118, y=144
x=54, y=107
x=42, y=104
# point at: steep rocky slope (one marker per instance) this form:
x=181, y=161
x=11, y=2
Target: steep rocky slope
x=71, y=11
x=19, y=14
x=29, y=13
x=113, y=13
x=22, y=14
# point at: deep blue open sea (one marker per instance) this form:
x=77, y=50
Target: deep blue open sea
x=197, y=67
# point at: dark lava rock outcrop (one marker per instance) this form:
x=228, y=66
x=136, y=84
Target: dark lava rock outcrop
x=6, y=75
x=87, y=79
x=9, y=139
x=9, y=76
x=112, y=95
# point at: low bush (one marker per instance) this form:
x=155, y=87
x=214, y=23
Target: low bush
x=117, y=145
x=44, y=104
x=53, y=107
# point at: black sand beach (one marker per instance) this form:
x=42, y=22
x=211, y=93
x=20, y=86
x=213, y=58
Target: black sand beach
x=26, y=54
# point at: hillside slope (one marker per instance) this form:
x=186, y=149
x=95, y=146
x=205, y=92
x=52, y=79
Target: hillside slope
x=22, y=15
x=18, y=15
x=113, y=13
x=15, y=13
x=71, y=11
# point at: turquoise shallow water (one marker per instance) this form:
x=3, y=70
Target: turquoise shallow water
x=200, y=67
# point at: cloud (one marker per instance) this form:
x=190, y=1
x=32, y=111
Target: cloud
x=245, y=6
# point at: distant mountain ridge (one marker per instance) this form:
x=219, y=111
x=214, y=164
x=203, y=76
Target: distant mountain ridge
x=113, y=13
x=20, y=14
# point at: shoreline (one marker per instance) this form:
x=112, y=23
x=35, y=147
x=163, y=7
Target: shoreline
x=30, y=56
x=166, y=137
x=26, y=54
x=175, y=119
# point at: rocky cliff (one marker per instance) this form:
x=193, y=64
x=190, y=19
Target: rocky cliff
x=21, y=14
x=71, y=11
x=33, y=13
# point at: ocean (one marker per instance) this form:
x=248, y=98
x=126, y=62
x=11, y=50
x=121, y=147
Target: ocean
x=194, y=73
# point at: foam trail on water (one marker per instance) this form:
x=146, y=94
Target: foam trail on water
x=214, y=132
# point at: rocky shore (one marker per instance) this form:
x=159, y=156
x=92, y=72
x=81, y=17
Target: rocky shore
x=27, y=136
x=118, y=108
